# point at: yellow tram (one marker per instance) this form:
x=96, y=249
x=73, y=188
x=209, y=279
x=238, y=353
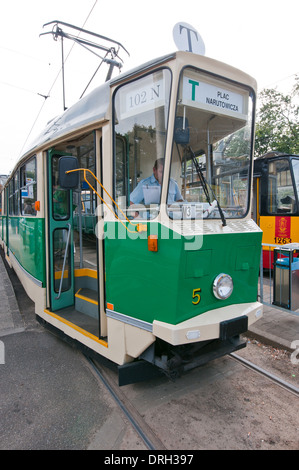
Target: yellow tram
x=276, y=201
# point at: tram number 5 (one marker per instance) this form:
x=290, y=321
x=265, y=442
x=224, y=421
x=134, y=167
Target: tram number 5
x=196, y=296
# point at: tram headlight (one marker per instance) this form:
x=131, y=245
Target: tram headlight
x=223, y=286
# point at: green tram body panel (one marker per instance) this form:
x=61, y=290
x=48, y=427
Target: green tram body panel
x=26, y=240
x=160, y=285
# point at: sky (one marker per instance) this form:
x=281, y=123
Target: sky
x=259, y=37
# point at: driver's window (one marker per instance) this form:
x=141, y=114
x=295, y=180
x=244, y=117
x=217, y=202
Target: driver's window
x=140, y=125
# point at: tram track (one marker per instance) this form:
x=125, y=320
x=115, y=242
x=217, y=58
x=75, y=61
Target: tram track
x=250, y=365
x=146, y=434
x=149, y=438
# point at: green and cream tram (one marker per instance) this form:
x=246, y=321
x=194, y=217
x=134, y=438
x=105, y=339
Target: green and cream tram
x=167, y=277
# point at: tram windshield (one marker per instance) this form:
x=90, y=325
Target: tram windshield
x=295, y=165
x=282, y=192
x=211, y=156
x=211, y=153
x=140, y=124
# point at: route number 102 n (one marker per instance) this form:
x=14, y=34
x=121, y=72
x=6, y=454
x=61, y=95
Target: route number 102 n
x=196, y=296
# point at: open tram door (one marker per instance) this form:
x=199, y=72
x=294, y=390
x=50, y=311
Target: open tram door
x=74, y=272
x=61, y=242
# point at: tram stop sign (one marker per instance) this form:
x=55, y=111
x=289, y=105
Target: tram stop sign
x=186, y=38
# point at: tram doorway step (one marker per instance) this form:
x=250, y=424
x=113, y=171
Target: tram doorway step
x=86, y=301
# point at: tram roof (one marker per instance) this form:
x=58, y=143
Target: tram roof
x=274, y=154
x=89, y=109
x=93, y=107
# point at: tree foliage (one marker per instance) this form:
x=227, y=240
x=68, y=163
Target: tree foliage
x=277, y=127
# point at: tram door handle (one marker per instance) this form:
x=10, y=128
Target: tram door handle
x=64, y=260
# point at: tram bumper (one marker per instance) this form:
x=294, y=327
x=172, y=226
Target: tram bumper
x=220, y=323
x=192, y=343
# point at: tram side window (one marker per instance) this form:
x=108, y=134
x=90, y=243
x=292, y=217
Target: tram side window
x=3, y=201
x=16, y=195
x=28, y=187
x=281, y=196
x=11, y=198
x=4, y=196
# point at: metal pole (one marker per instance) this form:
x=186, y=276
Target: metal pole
x=261, y=278
x=64, y=260
x=62, y=68
x=80, y=230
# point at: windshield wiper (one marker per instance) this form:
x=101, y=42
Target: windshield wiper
x=205, y=185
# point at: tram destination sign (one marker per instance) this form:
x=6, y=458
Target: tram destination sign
x=141, y=97
x=214, y=98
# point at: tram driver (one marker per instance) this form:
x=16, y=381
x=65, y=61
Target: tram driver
x=148, y=190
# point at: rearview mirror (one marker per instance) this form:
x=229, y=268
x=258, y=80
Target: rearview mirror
x=68, y=180
x=181, y=130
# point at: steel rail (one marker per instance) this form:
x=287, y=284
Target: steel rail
x=260, y=370
x=151, y=441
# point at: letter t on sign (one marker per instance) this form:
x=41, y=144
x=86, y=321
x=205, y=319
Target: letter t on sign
x=189, y=31
x=188, y=39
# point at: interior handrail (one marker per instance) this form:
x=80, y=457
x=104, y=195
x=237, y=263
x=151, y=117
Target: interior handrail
x=64, y=260
x=139, y=227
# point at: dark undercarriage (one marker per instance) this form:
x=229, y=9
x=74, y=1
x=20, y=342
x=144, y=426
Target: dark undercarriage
x=164, y=359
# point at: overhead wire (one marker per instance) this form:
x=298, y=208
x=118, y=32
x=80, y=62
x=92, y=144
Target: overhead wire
x=20, y=88
x=281, y=80
x=55, y=80
x=94, y=74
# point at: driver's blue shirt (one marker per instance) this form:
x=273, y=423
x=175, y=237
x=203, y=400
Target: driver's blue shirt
x=174, y=193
